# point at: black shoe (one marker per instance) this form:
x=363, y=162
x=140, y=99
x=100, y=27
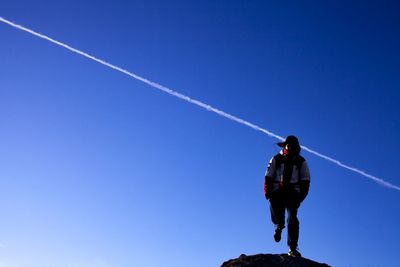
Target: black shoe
x=277, y=234
x=294, y=253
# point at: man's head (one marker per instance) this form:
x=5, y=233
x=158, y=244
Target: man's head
x=291, y=145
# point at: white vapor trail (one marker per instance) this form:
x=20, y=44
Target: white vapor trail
x=195, y=102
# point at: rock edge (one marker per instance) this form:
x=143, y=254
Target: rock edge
x=271, y=260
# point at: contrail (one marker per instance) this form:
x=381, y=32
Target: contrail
x=196, y=102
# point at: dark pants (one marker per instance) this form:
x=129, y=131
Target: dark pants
x=281, y=201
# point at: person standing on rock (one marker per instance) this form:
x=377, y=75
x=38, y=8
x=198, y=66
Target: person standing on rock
x=286, y=185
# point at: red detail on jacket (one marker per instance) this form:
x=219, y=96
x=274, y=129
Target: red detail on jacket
x=265, y=186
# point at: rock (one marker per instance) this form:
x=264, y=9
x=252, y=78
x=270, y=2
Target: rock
x=271, y=260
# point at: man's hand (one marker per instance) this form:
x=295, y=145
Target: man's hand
x=304, y=188
x=267, y=188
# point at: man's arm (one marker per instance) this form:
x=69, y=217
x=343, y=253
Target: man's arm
x=268, y=177
x=304, y=181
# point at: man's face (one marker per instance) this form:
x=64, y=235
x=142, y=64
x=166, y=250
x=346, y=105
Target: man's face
x=288, y=148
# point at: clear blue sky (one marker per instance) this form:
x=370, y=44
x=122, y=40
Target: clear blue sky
x=100, y=170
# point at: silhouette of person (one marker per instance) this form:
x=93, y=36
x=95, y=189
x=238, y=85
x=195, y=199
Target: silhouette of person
x=286, y=185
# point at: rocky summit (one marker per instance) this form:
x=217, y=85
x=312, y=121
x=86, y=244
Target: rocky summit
x=271, y=260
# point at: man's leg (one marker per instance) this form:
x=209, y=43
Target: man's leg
x=277, y=208
x=293, y=225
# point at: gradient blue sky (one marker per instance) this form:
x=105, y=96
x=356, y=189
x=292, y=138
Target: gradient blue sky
x=100, y=170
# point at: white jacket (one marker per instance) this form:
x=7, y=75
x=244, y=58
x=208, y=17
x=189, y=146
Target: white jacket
x=275, y=170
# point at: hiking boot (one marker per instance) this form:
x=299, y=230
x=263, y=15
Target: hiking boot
x=277, y=234
x=294, y=253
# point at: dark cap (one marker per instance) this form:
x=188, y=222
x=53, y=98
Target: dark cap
x=291, y=140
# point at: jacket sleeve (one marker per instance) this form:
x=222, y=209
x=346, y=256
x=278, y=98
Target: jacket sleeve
x=304, y=181
x=269, y=174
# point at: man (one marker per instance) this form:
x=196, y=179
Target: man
x=286, y=185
